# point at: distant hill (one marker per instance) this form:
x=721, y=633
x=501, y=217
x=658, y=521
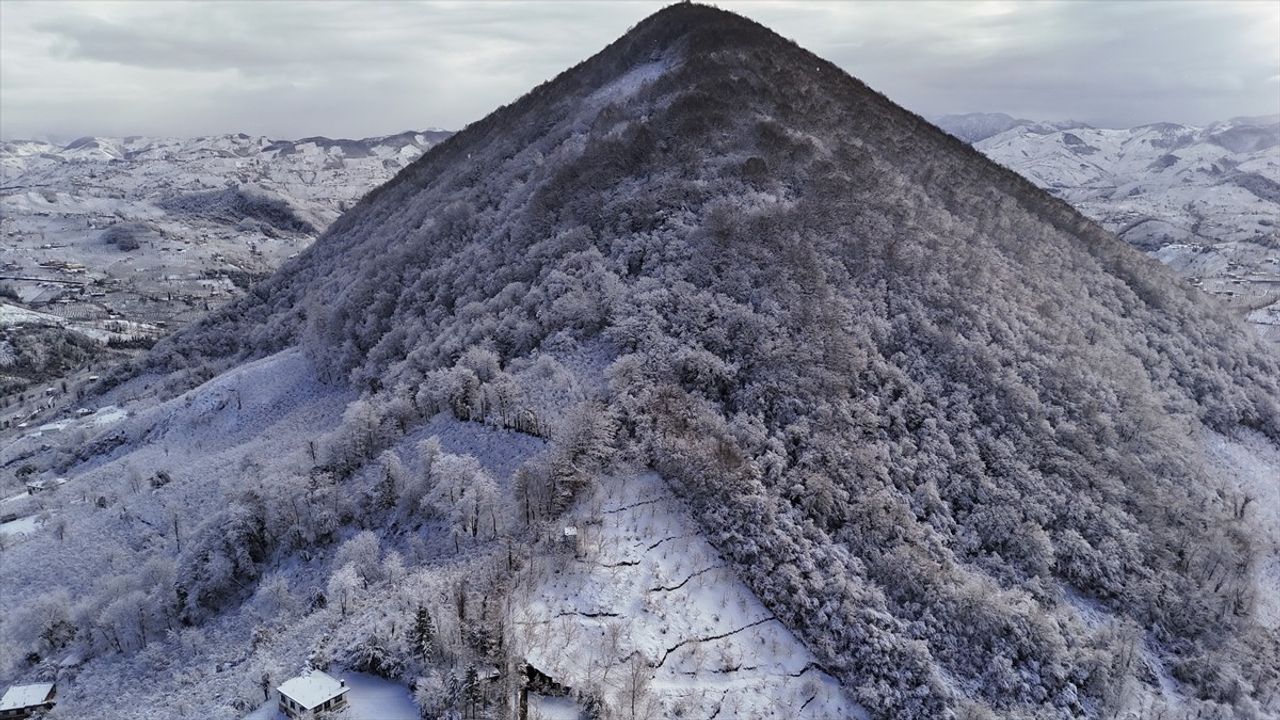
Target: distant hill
x=1204, y=200
x=972, y=127
x=149, y=233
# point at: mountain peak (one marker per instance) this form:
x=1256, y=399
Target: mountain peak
x=678, y=20
x=886, y=373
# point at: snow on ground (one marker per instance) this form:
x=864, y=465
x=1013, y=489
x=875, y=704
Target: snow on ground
x=1249, y=462
x=242, y=431
x=630, y=83
x=205, y=440
x=14, y=498
x=100, y=331
x=499, y=451
x=21, y=526
x=648, y=589
x=542, y=707
x=14, y=315
x=106, y=416
x=267, y=711
x=375, y=698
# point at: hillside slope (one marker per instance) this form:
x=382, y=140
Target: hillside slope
x=944, y=428
x=150, y=233
x=1205, y=201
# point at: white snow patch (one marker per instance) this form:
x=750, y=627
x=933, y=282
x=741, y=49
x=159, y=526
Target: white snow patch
x=647, y=587
x=630, y=82
x=375, y=698
x=542, y=707
x=21, y=526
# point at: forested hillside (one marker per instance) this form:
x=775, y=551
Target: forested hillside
x=948, y=431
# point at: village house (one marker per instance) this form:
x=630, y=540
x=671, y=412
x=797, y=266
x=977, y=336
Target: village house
x=22, y=701
x=569, y=540
x=312, y=692
x=44, y=484
x=539, y=690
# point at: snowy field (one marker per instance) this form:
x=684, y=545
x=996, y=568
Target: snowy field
x=650, y=606
x=253, y=422
x=20, y=526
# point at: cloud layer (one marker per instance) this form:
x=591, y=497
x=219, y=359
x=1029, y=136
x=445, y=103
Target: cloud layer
x=290, y=69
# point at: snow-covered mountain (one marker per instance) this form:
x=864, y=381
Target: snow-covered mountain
x=972, y=127
x=150, y=233
x=1204, y=200
x=1158, y=184
x=667, y=391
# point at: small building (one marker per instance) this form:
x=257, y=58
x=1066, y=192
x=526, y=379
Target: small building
x=569, y=540
x=23, y=701
x=536, y=688
x=312, y=692
x=44, y=484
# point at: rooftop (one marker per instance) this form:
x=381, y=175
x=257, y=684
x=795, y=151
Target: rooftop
x=23, y=696
x=312, y=688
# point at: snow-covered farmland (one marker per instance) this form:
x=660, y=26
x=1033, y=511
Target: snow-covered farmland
x=644, y=607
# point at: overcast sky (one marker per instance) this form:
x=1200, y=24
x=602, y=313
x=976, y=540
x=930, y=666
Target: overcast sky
x=291, y=69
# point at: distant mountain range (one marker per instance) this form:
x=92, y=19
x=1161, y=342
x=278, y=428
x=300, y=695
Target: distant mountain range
x=21, y=155
x=972, y=127
x=1204, y=200
x=146, y=234
x=101, y=179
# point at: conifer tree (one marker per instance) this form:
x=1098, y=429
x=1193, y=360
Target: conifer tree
x=423, y=633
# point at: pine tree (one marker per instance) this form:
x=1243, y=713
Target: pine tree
x=423, y=633
x=471, y=690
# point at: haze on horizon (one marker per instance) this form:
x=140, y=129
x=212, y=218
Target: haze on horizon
x=342, y=69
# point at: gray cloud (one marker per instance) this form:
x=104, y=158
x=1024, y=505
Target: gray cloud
x=289, y=68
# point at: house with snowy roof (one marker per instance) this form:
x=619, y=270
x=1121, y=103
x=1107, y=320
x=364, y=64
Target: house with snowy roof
x=44, y=484
x=23, y=701
x=569, y=540
x=312, y=692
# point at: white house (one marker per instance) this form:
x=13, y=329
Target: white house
x=22, y=701
x=312, y=692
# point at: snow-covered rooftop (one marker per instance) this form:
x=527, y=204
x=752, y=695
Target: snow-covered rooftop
x=570, y=531
x=312, y=688
x=23, y=696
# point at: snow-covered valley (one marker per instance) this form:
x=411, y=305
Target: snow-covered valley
x=110, y=243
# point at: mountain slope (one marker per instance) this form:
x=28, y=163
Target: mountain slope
x=1205, y=201
x=149, y=233
x=947, y=430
